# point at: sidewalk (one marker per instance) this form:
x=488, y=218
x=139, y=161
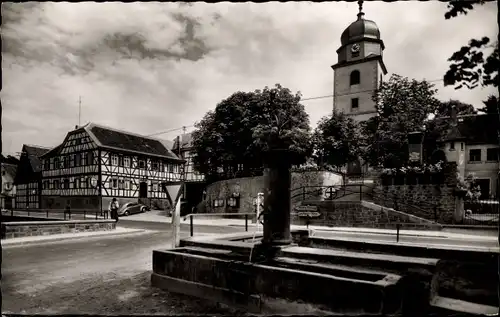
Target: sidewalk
x=70, y=236
x=159, y=216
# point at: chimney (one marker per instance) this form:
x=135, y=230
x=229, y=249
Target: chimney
x=453, y=115
x=76, y=127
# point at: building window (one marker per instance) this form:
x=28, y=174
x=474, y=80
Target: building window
x=120, y=161
x=121, y=184
x=142, y=164
x=218, y=203
x=462, y=146
x=154, y=166
x=83, y=182
x=452, y=146
x=126, y=161
x=114, y=183
x=354, y=104
x=484, y=187
x=155, y=186
x=131, y=184
x=46, y=164
x=126, y=184
x=91, y=158
x=164, y=187
x=170, y=168
x=84, y=159
x=51, y=164
x=355, y=77
x=77, y=183
x=114, y=160
x=233, y=202
x=475, y=155
x=63, y=162
x=492, y=155
x=77, y=159
x=56, y=184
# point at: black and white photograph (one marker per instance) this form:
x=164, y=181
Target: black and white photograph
x=250, y=159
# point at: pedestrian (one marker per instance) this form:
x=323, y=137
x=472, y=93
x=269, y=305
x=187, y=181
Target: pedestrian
x=113, y=209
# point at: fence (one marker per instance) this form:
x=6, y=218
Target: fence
x=479, y=213
x=192, y=216
x=75, y=214
x=482, y=212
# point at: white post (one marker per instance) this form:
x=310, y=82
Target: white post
x=176, y=216
x=176, y=225
x=260, y=200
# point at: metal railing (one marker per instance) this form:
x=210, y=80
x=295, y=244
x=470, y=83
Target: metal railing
x=60, y=213
x=328, y=192
x=192, y=216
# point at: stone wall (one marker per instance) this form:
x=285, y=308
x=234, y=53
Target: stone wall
x=249, y=187
x=359, y=214
x=89, y=203
x=42, y=228
x=433, y=201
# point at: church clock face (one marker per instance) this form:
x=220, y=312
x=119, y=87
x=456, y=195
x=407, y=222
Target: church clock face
x=355, y=48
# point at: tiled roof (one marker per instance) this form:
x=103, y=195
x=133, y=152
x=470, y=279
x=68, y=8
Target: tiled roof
x=478, y=129
x=187, y=141
x=106, y=137
x=453, y=134
x=34, y=153
x=10, y=169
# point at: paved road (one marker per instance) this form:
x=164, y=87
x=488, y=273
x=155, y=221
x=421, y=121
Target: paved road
x=165, y=226
x=488, y=242
x=44, y=278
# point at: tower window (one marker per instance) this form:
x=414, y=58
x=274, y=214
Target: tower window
x=354, y=103
x=355, y=77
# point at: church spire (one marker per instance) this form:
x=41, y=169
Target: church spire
x=360, y=14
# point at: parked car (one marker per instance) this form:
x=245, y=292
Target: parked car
x=132, y=208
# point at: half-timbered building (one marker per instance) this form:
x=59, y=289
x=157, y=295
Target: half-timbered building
x=28, y=179
x=194, y=181
x=95, y=163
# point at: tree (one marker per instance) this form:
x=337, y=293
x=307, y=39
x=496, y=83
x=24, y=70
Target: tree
x=336, y=140
x=403, y=106
x=491, y=105
x=468, y=65
x=247, y=125
x=444, y=108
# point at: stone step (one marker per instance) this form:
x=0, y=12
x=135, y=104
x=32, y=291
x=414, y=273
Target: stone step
x=451, y=305
x=383, y=262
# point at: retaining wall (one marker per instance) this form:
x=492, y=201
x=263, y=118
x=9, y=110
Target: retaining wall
x=42, y=228
x=431, y=200
x=248, y=188
x=360, y=214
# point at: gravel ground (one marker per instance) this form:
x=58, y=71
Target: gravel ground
x=111, y=295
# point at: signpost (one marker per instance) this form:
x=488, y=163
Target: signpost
x=307, y=211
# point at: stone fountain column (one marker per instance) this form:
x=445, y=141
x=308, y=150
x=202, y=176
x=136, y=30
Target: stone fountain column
x=277, y=179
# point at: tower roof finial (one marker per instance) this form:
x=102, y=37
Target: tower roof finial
x=360, y=14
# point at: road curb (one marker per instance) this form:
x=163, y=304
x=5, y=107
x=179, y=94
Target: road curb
x=6, y=243
x=392, y=233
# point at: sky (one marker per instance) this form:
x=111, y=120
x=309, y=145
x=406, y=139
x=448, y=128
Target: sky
x=151, y=67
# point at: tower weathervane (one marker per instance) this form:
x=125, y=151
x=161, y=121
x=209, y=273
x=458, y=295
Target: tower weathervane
x=360, y=14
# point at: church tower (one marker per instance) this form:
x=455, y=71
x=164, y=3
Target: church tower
x=360, y=68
